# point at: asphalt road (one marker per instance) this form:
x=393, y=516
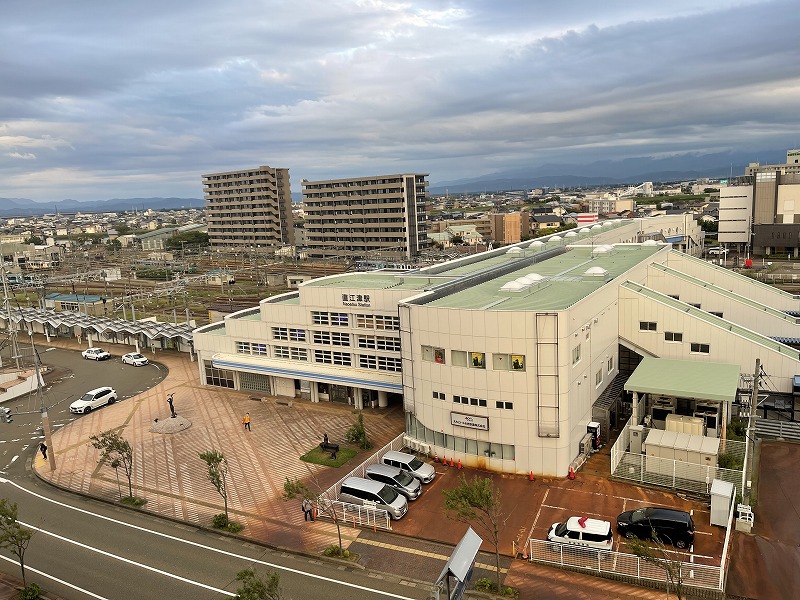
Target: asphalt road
x=83, y=548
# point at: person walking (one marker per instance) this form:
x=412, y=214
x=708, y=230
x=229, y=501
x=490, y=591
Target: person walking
x=43, y=449
x=246, y=421
x=308, y=510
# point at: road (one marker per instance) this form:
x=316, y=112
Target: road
x=83, y=548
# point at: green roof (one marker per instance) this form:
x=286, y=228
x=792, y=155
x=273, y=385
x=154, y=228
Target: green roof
x=685, y=379
x=379, y=280
x=564, y=280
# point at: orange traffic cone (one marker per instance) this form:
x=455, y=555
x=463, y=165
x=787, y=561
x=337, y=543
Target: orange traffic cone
x=531, y=477
x=459, y=464
x=436, y=456
x=571, y=473
x=452, y=464
x=444, y=461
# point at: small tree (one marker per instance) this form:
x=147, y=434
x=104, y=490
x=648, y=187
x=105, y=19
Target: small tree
x=478, y=502
x=255, y=588
x=357, y=434
x=218, y=475
x=296, y=489
x=658, y=555
x=116, y=449
x=14, y=536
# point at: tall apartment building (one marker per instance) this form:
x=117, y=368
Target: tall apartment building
x=249, y=208
x=510, y=228
x=373, y=217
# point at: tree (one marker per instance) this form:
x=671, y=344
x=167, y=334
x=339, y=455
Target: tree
x=296, y=489
x=218, y=475
x=658, y=555
x=478, y=502
x=116, y=449
x=34, y=239
x=255, y=588
x=14, y=536
x=357, y=434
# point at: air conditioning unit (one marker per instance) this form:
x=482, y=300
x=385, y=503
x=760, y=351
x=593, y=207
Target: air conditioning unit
x=424, y=448
x=408, y=441
x=585, y=447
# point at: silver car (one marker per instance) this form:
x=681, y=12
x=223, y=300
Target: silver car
x=400, y=480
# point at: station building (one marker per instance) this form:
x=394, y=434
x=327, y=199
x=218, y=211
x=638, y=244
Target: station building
x=502, y=358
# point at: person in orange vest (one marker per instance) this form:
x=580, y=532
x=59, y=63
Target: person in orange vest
x=246, y=421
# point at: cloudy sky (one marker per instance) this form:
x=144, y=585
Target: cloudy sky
x=130, y=99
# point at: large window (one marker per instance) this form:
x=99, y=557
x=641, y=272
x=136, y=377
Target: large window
x=432, y=354
x=700, y=348
x=385, y=322
x=297, y=335
x=648, y=326
x=508, y=362
x=474, y=360
x=673, y=336
x=218, y=377
x=280, y=333
x=457, y=443
x=336, y=319
x=323, y=356
x=251, y=348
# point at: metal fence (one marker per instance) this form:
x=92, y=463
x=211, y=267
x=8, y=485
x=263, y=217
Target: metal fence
x=364, y=516
x=620, y=565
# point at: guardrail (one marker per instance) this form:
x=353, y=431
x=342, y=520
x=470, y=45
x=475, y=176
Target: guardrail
x=623, y=566
x=777, y=428
x=358, y=516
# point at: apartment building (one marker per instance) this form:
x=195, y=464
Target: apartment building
x=510, y=228
x=382, y=216
x=249, y=209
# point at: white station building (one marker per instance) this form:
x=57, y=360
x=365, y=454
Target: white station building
x=502, y=358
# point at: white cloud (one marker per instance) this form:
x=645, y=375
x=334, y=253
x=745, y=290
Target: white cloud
x=141, y=99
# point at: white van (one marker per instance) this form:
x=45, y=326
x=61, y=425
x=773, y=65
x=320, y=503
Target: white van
x=356, y=490
x=408, y=462
x=581, y=532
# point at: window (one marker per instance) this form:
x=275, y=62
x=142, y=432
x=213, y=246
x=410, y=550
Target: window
x=508, y=362
x=218, y=377
x=342, y=359
x=366, y=341
x=598, y=377
x=576, y=354
x=439, y=396
x=700, y=348
x=280, y=333
x=365, y=321
x=323, y=356
x=297, y=335
x=504, y=405
x=340, y=319
x=320, y=318
x=299, y=354
x=673, y=336
x=280, y=351
x=470, y=401
x=322, y=337
x=459, y=358
x=610, y=364
x=647, y=326
x=387, y=322
x=392, y=344
x=387, y=363
x=367, y=362
x=475, y=360
x=251, y=348
x=431, y=354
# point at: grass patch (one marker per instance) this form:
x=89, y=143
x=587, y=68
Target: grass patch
x=133, y=501
x=318, y=457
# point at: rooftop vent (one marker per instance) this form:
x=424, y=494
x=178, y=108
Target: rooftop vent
x=570, y=234
x=513, y=286
x=513, y=250
x=596, y=272
x=555, y=238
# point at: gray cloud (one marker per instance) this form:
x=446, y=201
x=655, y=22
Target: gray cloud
x=117, y=100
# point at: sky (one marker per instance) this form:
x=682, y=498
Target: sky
x=106, y=100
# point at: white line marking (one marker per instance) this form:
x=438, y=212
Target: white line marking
x=209, y=548
x=127, y=560
x=61, y=581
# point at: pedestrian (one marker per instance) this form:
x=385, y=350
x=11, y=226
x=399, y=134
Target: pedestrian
x=325, y=439
x=246, y=421
x=43, y=448
x=308, y=510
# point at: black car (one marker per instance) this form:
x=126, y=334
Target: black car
x=671, y=526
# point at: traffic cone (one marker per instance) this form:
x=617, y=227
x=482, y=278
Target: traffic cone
x=531, y=477
x=459, y=464
x=436, y=456
x=444, y=461
x=452, y=464
x=571, y=473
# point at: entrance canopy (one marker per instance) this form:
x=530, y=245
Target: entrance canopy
x=685, y=379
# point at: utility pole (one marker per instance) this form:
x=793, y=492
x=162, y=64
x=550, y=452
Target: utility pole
x=749, y=433
x=12, y=331
x=51, y=456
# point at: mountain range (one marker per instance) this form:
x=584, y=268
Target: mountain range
x=677, y=167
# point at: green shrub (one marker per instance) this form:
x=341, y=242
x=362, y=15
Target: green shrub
x=346, y=553
x=234, y=527
x=484, y=584
x=357, y=434
x=133, y=501
x=730, y=461
x=220, y=521
x=332, y=550
x=737, y=429
x=31, y=592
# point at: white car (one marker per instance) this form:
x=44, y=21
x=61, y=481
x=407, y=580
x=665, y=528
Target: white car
x=135, y=359
x=96, y=354
x=93, y=399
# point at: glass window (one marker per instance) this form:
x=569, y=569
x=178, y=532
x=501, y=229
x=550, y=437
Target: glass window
x=366, y=341
x=673, y=336
x=280, y=333
x=598, y=377
x=700, y=348
x=477, y=360
x=459, y=444
x=647, y=326
x=471, y=446
x=297, y=335
x=459, y=358
x=280, y=351
x=576, y=354
x=320, y=318
x=299, y=354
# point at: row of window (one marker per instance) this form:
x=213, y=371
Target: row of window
x=677, y=336
x=474, y=360
x=332, y=338
x=457, y=443
x=337, y=319
x=342, y=359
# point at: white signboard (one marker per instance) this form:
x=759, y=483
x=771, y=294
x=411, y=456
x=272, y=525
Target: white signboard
x=470, y=421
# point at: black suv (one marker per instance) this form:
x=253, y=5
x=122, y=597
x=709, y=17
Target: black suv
x=670, y=526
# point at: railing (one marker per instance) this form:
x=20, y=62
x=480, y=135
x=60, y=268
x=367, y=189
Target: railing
x=777, y=428
x=723, y=563
x=620, y=565
x=621, y=445
x=358, y=516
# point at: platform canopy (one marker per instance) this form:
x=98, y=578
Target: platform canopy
x=685, y=379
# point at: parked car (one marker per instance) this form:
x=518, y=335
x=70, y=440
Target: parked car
x=96, y=354
x=421, y=470
x=581, y=532
x=93, y=399
x=135, y=359
x=356, y=490
x=669, y=525
x=399, y=479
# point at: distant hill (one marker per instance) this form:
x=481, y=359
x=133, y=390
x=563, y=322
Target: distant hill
x=683, y=167
x=18, y=207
